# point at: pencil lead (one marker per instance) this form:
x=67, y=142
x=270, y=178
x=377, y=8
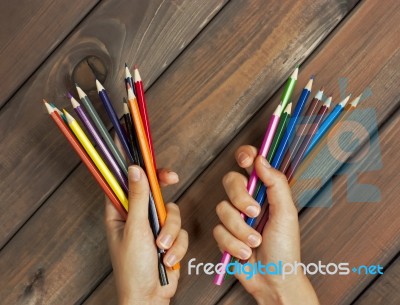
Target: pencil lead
x=295, y=73
x=288, y=108
x=69, y=95
x=344, y=102
x=74, y=102
x=136, y=75
x=68, y=117
x=48, y=107
x=81, y=93
x=278, y=110
x=319, y=94
x=355, y=102
x=99, y=86
x=312, y=76
x=309, y=84
x=328, y=102
x=126, y=66
x=135, y=67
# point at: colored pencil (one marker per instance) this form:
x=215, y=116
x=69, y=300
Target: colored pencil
x=153, y=219
x=266, y=143
x=310, y=133
x=302, y=128
x=327, y=124
x=139, y=89
x=333, y=120
x=283, y=122
x=97, y=160
x=114, y=120
x=147, y=159
x=112, y=163
x=286, y=140
x=146, y=154
x=54, y=114
x=251, y=185
x=102, y=129
x=129, y=79
x=130, y=130
x=289, y=87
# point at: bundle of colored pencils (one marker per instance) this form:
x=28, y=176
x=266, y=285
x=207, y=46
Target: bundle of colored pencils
x=289, y=140
x=107, y=163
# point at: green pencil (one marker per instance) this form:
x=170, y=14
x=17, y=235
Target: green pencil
x=289, y=87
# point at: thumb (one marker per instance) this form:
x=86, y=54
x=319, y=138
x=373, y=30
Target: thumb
x=138, y=196
x=279, y=195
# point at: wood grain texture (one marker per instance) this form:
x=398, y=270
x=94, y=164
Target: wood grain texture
x=29, y=33
x=385, y=290
x=198, y=202
x=345, y=232
x=36, y=158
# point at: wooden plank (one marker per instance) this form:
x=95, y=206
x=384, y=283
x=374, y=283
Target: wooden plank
x=329, y=66
x=128, y=31
x=345, y=232
x=256, y=41
x=29, y=32
x=385, y=290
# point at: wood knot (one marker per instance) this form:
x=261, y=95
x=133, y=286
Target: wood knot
x=86, y=72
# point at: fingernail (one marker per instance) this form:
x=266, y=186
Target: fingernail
x=252, y=211
x=254, y=240
x=244, y=253
x=134, y=173
x=174, y=176
x=166, y=241
x=243, y=157
x=265, y=163
x=170, y=260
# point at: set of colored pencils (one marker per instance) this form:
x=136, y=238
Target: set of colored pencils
x=289, y=139
x=107, y=164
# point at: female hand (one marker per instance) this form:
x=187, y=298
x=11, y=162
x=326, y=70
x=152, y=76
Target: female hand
x=280, y=239
x=133, y=249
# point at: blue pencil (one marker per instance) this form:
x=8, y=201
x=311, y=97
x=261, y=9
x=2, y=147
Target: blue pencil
x=326, y=124
x=285, y=142
x=114, y=120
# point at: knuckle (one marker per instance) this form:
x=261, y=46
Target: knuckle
x=228, y=178
x=221, y=208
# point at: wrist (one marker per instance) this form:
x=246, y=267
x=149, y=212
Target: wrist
x=145, y=301
x=294, y=291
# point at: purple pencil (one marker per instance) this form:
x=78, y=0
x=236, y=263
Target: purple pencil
x=251, y=185
x=119, y=174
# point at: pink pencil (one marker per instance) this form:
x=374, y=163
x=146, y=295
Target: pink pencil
x=251, y=185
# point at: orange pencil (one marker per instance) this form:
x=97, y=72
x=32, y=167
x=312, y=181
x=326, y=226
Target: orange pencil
x=54, y=113
x=147, y=156
x=148, y=159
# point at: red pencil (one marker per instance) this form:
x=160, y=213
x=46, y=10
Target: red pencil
x=85, y=158
x=139, y=89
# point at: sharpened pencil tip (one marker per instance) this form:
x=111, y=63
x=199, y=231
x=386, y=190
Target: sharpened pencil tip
x=126, y=66
x=312, y=77
x=48, y=107
x=135, y=67
x=99, y=86
x=69, y=95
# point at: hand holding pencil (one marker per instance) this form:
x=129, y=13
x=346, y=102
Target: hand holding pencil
x=280, y=239
x=132, y=248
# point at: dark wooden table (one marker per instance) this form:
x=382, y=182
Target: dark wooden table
x=214, y=72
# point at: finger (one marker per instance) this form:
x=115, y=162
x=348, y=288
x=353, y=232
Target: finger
x=235, y=186
x=138, y=198
x=278, y=191
x=245, y=156
x=167, y=177
x=178, y=250
x=113, y=221
x=227, y=242
x=171, y=228
x=235, y=224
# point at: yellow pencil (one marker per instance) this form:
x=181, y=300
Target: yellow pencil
x=97, y=160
